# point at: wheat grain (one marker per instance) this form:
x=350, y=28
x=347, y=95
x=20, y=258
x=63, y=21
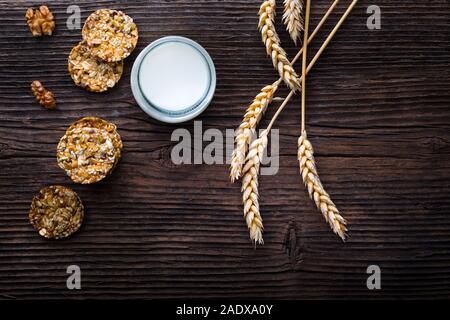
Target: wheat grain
x=246, y=130
x=250, y=194
x=315, y=189
x=273, y=45
x=293, y=18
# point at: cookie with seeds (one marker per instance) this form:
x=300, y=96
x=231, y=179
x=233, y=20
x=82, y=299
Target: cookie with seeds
x=110, y=34
x=56, y=212
x=90, y=150
x=91, y=73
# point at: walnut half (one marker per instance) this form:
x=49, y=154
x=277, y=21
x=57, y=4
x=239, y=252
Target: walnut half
x=43, y=96
x=40, y=21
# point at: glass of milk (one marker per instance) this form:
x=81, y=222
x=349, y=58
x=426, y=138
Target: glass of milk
x=173, y=79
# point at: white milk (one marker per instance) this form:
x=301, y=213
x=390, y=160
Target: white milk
x=174, y=76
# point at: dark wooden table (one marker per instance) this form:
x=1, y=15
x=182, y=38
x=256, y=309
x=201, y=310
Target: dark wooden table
x=378, y=115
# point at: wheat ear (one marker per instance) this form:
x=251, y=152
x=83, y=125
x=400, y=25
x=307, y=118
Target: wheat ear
x=293, y=18
x=306, y=156
x=246, y=130
x=250, y=196
x=315, y=189
x=273, y=45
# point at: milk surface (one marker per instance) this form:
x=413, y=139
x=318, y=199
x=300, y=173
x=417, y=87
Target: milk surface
x=174, y=76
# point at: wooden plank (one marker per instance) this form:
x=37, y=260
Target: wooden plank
x=378, y=116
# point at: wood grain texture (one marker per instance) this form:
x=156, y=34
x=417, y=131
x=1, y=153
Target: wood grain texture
x=378, y=116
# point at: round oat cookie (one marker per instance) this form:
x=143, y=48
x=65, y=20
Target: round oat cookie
x=90, y=150
x=110, y=34
x=56, y=212
x=91, y=73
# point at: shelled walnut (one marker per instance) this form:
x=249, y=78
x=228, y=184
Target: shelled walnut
x=40, y=21
x=43, y=96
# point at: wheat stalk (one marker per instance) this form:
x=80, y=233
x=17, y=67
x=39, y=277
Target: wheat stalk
x=246, y=130
x=273, y=45
x=315, y=189
x=293, y=18
x=304, y=62
x=250, y=196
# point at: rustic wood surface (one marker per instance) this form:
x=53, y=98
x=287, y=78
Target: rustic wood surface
x=378, y=116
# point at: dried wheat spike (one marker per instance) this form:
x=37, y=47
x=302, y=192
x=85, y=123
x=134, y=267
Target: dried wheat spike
x=293, y=18
x=250, y=194
x=246, y=130
x=273, y=45
x=315, y=188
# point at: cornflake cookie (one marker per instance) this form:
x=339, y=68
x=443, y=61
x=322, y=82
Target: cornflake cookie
x=56, y=212
x=91, y=73
x=90, y=150
x=111, y=35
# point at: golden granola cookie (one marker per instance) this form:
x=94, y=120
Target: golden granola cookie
x=91, y=73
x=90, y=150
x=56, y=212
x=110, y=34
